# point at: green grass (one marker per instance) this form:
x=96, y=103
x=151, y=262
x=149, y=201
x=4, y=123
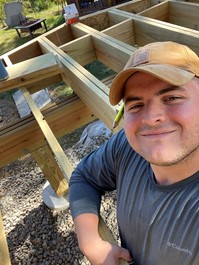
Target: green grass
x=99, y=70
x=59, y=90
x=9, y=38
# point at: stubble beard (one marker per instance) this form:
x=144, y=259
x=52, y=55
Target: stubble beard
x=180, y=158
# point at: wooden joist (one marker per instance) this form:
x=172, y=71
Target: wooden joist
x=124, y=32
x=86, y=86
x=148, y=30
x=184, y=14
x=175, y=12
x=29, y=71
x=115, y=39
x=160, y=11
x=24, y=136
x=27, y=51
x=81, y=50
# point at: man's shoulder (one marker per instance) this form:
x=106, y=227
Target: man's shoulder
x=119, y=140
x=122, y=147
x=120, y=136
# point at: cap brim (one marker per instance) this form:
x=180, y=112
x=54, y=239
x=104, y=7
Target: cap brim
x=167, y=73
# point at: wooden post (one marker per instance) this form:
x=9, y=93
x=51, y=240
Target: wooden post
x=51, y=139
x=46, y=161
x=4, y=252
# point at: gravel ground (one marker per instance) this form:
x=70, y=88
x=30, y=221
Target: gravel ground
x=36, y=234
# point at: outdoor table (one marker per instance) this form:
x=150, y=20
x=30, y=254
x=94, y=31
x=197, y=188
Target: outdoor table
x=30, y=26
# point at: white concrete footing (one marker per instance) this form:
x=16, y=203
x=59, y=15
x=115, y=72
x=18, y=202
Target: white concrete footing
x=53, y=201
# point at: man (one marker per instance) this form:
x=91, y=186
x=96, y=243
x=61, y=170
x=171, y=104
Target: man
x=153, y=163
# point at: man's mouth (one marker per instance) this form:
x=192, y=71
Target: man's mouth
x=157, y=133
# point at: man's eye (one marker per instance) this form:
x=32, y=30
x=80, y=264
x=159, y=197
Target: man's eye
x=172, y=98
x=135, y=107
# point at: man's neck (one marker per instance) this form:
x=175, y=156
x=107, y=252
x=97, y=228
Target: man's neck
x=167, y=175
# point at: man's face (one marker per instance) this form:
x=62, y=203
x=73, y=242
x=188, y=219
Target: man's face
x=161, y=121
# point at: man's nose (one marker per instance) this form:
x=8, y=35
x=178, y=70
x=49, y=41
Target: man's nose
x=154, y=113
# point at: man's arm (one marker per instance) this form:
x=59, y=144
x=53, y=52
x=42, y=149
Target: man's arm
x=94, y=175
x=85, y=202
x=98, y=251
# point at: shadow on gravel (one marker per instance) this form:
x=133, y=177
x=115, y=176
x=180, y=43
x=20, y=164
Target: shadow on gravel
x=44, y=237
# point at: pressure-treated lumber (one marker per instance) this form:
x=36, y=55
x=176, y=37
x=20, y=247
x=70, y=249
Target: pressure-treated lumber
x=175, y=12
x=52, y=172
x=124, y=32
x=107, y=36
x=160, y=11
x=136, y=6
x=184, y=14
x=4, y=252
x=27, y=51
x=86, y=86
x=61, y=35
x=50, y=138
x=44, y=83
x=24, y=136
x=81, y=50
x=34, y=69
x=100, y=20
x=109, y=51
x=148, y=30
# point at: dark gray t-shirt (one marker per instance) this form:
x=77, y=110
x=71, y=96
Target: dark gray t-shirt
x=159, y=225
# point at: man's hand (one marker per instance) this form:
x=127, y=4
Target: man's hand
x=101, y=252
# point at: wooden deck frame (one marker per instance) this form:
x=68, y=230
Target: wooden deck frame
x=148, y=30
x=107, y=44
x=175, y=12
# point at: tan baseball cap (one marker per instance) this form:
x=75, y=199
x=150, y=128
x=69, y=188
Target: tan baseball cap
x=171, y=62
